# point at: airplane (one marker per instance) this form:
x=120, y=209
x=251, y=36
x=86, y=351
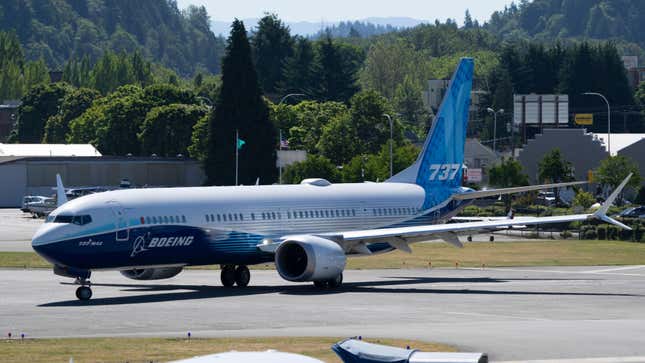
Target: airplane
x=308, y=230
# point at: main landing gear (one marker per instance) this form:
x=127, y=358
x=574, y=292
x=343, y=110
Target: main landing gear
x=331, y=283
x=83, y=292
x=232, y=275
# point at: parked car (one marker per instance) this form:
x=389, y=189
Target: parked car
x=30, y=199
x=41, y=207
x=633, y=212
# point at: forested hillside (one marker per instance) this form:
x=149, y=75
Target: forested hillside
x=58, y=30
x=619, y=20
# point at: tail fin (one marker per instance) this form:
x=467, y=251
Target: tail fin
x=439, y=164
x=61, y=197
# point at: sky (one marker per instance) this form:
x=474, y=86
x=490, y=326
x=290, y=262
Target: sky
x=335, y=10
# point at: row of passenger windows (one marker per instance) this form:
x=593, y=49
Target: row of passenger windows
x=163, y=219
x=307, y=214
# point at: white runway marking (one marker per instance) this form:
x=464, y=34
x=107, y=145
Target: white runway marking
x=588, y=272
x=585, y=360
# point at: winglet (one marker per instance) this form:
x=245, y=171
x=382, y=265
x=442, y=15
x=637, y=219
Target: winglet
x=61, y=197
x=601, y=213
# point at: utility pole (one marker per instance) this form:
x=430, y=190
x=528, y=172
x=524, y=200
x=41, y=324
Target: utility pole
x=391, y=141
x=237, y=153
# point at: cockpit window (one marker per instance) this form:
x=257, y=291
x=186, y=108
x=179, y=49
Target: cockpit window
x=78, y=220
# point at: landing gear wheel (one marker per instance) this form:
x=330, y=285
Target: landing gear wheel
x=491, y=238
x=242, y=276
x=320, y=284
x=470, y=238
x=228, y=275
x=83, y=293
x=335, y=282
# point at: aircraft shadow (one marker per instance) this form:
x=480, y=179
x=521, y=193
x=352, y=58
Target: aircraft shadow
x=406, y=285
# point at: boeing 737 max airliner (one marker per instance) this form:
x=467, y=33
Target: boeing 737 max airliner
x=308, y=230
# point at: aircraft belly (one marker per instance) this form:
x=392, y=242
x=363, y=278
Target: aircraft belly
x=157, y=245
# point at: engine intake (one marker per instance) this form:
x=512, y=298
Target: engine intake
x=152, y=273
x=309, y=258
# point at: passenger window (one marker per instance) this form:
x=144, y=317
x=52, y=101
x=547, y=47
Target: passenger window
x=300, y=214
x=165, y=219
x=219, y=218
x=235, y=216
x=241, y=216
x=253, y=216
x=148, y=220
x=230, y=217
x=273, y=215
x=354, y=212
x=183, y=219
x=224, y=217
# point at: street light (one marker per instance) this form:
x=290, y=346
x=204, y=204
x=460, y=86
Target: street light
x=500, y=111
x=608, y=118
x=391, y=140
x=291, y=95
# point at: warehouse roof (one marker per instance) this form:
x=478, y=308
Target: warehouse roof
x=48, y=150
x=619, y=141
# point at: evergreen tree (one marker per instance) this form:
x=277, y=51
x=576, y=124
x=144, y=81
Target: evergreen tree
x=298, y=70
x=240, y=107
x=336, y=76
x=37, y=106
x=272, y=45
x=72, y=106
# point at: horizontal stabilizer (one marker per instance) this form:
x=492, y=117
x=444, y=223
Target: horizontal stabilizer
x=494, y=192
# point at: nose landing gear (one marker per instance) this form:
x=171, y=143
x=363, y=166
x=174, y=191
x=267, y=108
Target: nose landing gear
x=83, y=292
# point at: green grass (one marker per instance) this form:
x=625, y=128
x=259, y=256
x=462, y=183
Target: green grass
x=542, y=253
x=164, y=349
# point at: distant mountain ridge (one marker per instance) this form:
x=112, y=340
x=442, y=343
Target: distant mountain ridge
x=309, y=28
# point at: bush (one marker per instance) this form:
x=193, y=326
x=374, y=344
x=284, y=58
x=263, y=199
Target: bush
x=612, y=233
x=590, y=234
x=601, y=231
x=584, y=199
x=565, y=234
x=640, y=198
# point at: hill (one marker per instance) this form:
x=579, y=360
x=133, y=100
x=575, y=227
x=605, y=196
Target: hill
x=619, y=20
x=57, y=30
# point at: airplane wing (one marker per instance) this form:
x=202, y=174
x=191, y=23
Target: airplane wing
x=494, y=192
x=355, y=242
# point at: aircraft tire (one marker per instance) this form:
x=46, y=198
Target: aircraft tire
x=336, y=282
x=320, y=284
x=242, y=276
x=228, y=275
x=491, y=238
x=84, y=293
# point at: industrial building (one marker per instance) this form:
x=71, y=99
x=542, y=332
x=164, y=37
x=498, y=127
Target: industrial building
x=34, y=172
x=584, y=150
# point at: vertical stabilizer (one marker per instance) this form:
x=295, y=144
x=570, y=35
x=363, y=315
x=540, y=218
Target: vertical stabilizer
x=61, y=197
x=439, y=165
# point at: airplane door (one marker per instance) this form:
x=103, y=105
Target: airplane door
x=122, y=230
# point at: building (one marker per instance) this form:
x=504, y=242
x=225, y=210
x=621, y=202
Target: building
x=436, y=90
x=477, y=156
x=36, y=175
x=17, y=150
x=582, y=149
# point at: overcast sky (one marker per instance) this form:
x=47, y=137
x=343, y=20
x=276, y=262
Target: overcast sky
x=334, y=10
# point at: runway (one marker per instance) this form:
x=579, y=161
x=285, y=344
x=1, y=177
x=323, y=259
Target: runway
x=511, y=313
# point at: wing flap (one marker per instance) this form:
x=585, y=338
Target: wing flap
x=494, y=192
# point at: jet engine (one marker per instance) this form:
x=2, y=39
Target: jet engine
x=309, y=258
x=152, y=273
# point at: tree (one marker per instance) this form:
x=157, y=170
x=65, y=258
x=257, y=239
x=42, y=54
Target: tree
x=583, y=199
x=167, y=130
x=336, y=69
x=315, y=166
x=272, y=46
x=553, y=169
x=38, y=105
x=376, y=167
x=371, y=128
x=613, y=170
x=298, y=73
x=338, y=141
x=240, y=107
x=199, y=139
x=409, y=105
x=507, y=174
x=72, y=106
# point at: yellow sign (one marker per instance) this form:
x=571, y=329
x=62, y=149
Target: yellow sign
x=584, y=118
x=590, y=176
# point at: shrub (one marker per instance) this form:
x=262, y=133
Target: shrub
x=584, y=199
x=601, y=231
x=590, y=234
x=565, y=234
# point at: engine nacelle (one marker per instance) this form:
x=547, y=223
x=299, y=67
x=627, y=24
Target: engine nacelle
x=152, y=273
x=309, y=258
